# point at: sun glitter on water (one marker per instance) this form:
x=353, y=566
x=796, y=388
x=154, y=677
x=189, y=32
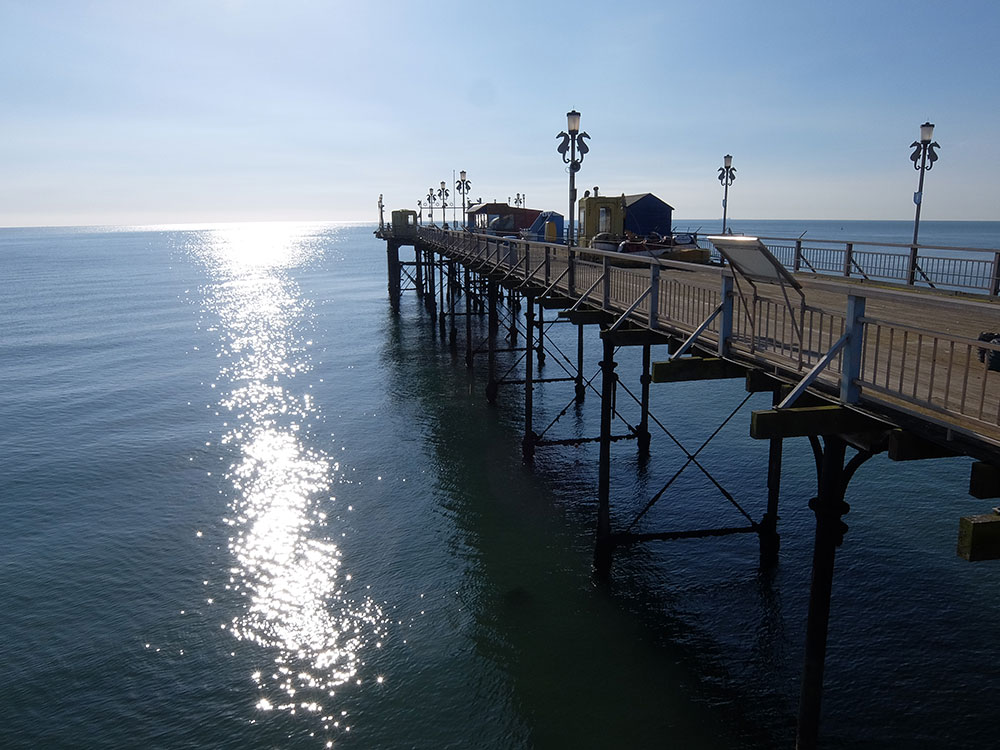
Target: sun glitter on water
x=282, y=557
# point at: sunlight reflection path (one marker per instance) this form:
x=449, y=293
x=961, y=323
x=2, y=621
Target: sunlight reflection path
x=283, y=560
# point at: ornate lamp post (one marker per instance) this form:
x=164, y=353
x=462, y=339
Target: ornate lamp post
x=923, y=158
x=727, y=173
x=430, y=203
x=443, y=195
x=420, y=212
x=462, y=186
x=573, y=142
x=519, y=201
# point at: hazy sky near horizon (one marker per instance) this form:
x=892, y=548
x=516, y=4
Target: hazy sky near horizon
x=230, y=110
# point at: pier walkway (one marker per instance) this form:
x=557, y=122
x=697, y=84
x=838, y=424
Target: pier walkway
x=920, y=364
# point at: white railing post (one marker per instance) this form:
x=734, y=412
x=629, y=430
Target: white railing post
x=606, y=302
x=850, y=369
x=654, y=295
x=726, y=319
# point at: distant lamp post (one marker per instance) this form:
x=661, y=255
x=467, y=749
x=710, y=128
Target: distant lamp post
x=420, y=212
x=727, y=174
x=519, y=201
x=430, y=203
x=381, y=221
x=923, y=158
x=572, y=142
x=443, y=195
x=462, y=186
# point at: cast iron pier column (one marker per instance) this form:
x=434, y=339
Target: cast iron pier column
x=829, y=507
x=528, y=443
x=392, y=253
x=645, y=380
x=493, y=328
x=767, y=535
x=468, y=321
x=605, y=547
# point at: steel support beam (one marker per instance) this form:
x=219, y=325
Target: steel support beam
x=588, y=317
x=441, y=291
x=829, y=507
x=696, y=368
x=468, y=320
x=452, y=295
x=392, y=258
x=493, y=328
x=418, y=270
x=979, y=537
x=528, y=441
x=767, y=530
x=644, y=381
x=905, y=446
x=605, y=544
x=984, y=481
x=810, y=420
x=541, y=337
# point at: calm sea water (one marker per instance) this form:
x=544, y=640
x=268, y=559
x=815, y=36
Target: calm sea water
x=243, y=505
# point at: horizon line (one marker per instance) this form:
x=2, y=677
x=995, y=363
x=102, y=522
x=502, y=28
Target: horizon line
x=361, y=222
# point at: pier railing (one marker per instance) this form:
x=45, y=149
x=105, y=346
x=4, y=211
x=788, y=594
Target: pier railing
x=967, y=269
x=907, y=351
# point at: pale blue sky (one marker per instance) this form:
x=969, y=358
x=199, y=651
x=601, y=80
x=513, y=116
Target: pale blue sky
x=230, y=110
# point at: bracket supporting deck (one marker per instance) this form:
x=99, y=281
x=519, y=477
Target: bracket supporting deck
x=696, y=368
x=810, y=420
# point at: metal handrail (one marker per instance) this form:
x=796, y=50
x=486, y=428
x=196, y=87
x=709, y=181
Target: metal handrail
x=897, y=368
